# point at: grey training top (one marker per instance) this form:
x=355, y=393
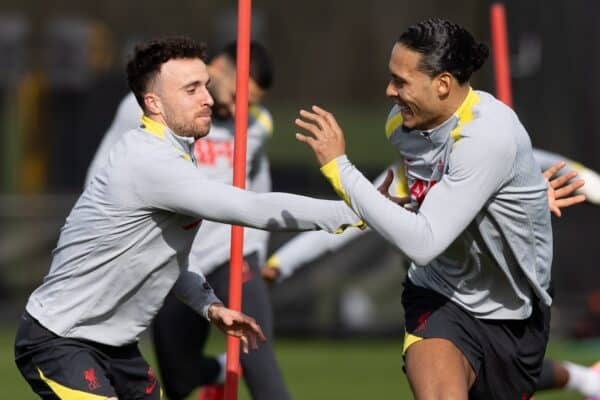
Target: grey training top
x=480, y=231
x=127, y=239
x=308, y=246
x=214, y=157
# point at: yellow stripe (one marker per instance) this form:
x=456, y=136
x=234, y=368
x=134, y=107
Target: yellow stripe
x=262, y=118
x=576, y=166
x=402, y=185
x=332, y=173
x=465, y=113
x=409, y=340
x=362, y=225
x=65, y=393
x=155, y=128
x=273, y=261
x=392, y=124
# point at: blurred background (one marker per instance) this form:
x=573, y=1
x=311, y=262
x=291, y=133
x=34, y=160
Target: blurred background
x=62, y=77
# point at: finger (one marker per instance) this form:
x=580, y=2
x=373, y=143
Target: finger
x=328, y=117
x=550, y=172
x=316, y=118
x=570, y=201
x=561, y=180
x=312, y=142
x=556, y=211
x=257, y=331
x=569, y=189
x=244, y=341
x=312, y=128
x=253, y=343
x=384, y=188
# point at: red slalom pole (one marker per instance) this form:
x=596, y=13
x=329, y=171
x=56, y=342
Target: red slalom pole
x=239, y=180
x=500, y=51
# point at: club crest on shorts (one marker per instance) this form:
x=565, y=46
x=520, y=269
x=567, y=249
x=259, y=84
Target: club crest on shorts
x=92, y=380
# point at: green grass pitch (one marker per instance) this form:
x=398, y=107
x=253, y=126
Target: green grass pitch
x=320, y=369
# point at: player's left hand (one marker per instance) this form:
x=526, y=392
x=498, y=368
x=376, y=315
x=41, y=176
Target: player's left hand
x=326, y=139
x=560, y=191
x=235, y=323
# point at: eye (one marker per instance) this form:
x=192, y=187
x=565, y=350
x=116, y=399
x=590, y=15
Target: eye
x=191, y=90
x=397, y=81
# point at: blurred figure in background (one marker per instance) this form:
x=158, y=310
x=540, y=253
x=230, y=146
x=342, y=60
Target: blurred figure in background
x=180, y=352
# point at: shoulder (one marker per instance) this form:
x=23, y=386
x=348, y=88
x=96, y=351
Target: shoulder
x=260, y=120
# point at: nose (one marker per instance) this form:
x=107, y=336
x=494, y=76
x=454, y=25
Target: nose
x=208, y=99
x=390, y=90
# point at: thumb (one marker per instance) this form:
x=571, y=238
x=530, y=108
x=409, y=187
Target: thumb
x=385, y=185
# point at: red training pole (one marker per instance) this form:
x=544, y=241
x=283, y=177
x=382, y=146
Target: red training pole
x=239, y=180
x=500, y=51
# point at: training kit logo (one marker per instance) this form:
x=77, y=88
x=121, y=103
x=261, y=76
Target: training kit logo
x=419, y=189
x=152, y=381
x=90, y=376
x=208, y=151
x=422, y=321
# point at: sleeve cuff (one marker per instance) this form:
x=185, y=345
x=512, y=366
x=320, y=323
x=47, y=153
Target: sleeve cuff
x=331, y=171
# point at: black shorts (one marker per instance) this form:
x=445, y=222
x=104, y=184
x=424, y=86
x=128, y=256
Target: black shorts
x=61, y=368
x=506, y=355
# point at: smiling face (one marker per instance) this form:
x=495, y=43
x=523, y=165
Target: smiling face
x=419, y=95
x=178, y=97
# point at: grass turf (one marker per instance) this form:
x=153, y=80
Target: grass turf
x=321, y=369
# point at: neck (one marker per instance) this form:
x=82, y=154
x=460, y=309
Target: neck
x=455, y=99
x=157, y=118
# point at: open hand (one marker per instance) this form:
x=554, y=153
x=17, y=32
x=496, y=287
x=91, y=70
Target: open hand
x=234, y=323
x=326, y=138
x=560, y=191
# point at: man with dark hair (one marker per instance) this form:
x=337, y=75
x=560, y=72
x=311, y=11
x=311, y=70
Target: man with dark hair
x=125, y=244
x=180, y=352
x=476, y=227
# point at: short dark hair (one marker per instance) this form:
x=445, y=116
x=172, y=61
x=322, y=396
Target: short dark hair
x=148, y=58
x=446, y=47
x=261, y=65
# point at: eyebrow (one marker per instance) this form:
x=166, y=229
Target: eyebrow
x=194, y=83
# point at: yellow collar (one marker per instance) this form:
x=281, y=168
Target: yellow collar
x=465, y=113
x=153, y=127
x=467, y=103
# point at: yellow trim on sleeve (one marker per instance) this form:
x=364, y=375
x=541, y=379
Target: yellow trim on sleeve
x=409, y=340
x=155, y=128
x=262, y=118
x=392, y=124
x=65, y=393
x=362, y=225
x=402, y=185
x=273, y=262
x=576, y=166
x=332, y=173
x=465, y=113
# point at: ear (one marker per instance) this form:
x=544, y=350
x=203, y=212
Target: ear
x=153, y=103
x=443, y=84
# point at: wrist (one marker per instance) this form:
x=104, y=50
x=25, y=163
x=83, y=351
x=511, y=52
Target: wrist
x=212, y=310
